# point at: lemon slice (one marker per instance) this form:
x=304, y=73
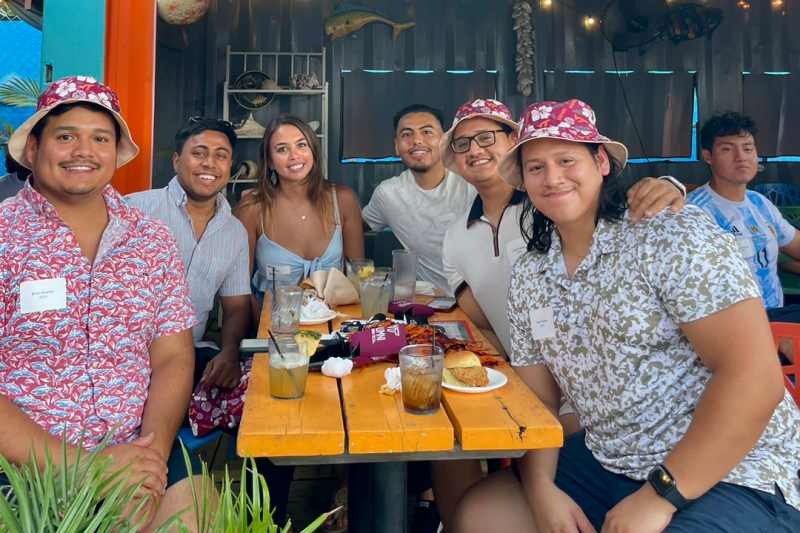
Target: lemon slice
x=366, y=271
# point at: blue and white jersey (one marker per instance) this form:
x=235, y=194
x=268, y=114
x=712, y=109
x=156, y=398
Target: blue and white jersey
x=759, y=230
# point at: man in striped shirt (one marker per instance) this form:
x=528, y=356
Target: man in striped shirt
x=213, y=243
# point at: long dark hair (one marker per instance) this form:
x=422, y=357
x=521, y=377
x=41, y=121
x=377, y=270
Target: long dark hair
x=537, y=229
x=317, y=187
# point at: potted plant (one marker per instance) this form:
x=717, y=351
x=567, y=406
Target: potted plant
x=80, y=498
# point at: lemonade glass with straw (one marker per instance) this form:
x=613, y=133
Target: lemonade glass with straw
x=288, y=369
x=357, y=269
x=376, y=292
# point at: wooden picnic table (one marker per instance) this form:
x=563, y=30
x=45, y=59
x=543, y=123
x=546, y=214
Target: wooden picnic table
x=345, y=421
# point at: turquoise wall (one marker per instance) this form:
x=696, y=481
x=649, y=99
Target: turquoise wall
x=73, y=38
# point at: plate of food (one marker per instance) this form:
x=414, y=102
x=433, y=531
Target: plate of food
x=463, y=373
x=315, y=311
x=304, y=321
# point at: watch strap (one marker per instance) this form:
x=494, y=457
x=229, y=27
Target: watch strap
x=681, y=187
x=671, y=494
x=674, y=496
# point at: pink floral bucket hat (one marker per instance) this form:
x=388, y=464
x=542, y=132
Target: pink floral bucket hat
x=572, y=120
x=491, y=109
x=66, y=91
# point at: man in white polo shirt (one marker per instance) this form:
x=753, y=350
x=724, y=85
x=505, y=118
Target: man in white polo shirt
x=482, y=245
x=421, y=203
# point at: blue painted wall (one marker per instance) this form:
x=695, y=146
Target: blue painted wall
x=22, y=57
x=74, y=38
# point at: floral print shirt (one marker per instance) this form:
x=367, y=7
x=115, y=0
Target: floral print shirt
x=86, y=366
x=615, y=346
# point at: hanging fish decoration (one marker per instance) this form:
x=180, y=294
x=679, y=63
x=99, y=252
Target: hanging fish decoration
x=348, y=18
x=686, y=22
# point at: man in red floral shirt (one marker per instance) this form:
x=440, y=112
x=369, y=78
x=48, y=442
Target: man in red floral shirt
x=96, y=317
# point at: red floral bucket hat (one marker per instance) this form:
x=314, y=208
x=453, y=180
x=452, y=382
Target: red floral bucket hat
x=572, y=120
x=491, y=109
x=66, y=91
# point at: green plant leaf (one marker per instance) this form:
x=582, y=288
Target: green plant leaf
x=20, y=92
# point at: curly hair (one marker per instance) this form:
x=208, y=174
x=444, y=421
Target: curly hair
x=537, y=229
x=725, y=125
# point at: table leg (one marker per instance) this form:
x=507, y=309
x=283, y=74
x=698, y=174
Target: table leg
x=378, y=498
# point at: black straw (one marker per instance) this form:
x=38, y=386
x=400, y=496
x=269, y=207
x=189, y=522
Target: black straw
x=275, y=342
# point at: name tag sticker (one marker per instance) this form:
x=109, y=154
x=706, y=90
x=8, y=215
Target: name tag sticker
x=42, y=295
x=442, y=222
x=542, y=326
x=281, y=271
x=746, y=247
x=515, y=249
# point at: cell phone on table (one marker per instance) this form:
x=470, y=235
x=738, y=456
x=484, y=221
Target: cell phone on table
x=443, y=304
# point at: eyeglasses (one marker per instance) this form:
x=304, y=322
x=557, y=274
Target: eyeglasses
x=198, y=119
x=483, y=139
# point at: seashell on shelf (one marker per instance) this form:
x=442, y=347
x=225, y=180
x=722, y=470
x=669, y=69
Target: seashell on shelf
x=249, y=128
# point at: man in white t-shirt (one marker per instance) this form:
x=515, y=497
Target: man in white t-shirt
x=421, y=203
x=482, y=245
x=728, y=143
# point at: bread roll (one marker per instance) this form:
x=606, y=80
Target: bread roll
x=464, y=369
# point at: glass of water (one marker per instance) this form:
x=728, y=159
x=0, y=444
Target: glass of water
x=286, y=304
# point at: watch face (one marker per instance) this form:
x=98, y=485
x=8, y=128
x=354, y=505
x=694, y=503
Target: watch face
x=661, y=480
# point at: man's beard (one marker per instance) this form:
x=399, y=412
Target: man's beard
x=422, y=168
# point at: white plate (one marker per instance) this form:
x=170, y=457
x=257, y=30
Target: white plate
x=496, y=380
x=314, y=321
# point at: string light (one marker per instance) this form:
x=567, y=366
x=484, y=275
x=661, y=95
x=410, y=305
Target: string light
x=547, y=3
x=590, y=21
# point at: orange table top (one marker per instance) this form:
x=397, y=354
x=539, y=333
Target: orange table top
x=349, y=416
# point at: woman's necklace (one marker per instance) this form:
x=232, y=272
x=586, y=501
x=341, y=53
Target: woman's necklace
x=302, y=217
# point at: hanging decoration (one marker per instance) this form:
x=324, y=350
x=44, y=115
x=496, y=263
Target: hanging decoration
x=182, y=12
x=348, y=18
x=526, y=46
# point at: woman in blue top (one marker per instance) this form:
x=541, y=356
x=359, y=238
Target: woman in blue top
x=296, y=220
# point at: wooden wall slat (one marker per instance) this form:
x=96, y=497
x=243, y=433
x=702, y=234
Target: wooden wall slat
x=466, y=35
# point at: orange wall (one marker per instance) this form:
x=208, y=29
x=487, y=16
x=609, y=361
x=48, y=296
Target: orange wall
x=130, y=68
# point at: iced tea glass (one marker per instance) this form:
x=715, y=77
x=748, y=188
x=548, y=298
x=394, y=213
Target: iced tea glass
x=421, y=376
x=288, y=369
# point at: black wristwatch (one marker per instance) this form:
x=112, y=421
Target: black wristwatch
x=664, y=485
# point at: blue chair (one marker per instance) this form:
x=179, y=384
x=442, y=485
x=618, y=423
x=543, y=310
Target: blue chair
x=780, y=194
x=193, y=443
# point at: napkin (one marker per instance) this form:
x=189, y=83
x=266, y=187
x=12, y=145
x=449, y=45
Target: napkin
x=393, y=381
x=332, y=287
x=314, y=309
x=336, y=367
x=209, y=409
x=425, y=288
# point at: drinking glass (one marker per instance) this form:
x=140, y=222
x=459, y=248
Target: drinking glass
x=288, y=369
x=354, y=267
x=376, y=292
x=286, y=304
x=404, y=263
x=421, y=375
